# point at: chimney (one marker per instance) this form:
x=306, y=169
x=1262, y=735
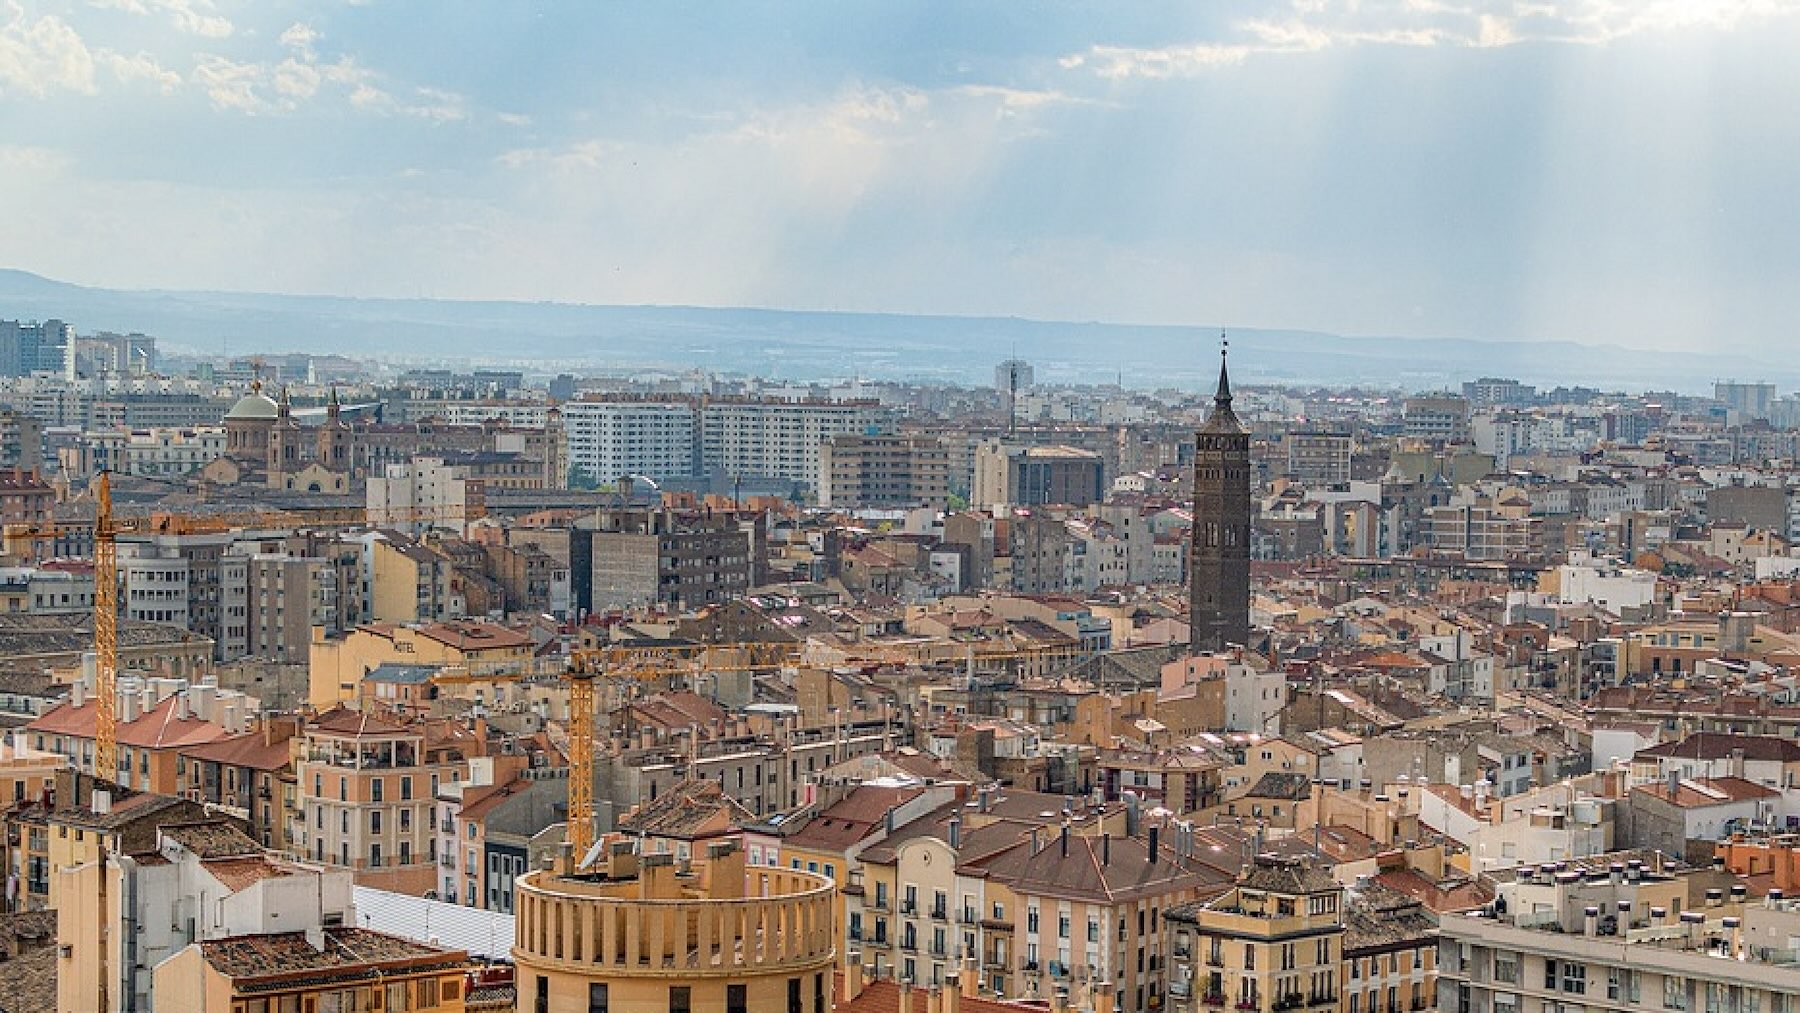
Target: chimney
x=1105, y=849
x=1696, y=927
x=854, y=976
x=952, y=992
x=1773, y=899
x=1735, y=926
x=1590, y=921
x=1065, y=840
x=955, y=833
x=986, y=795
x=1103, y=997
x=1715, y=897
x=1152, y=845
x=906, y=997
x=101, y=801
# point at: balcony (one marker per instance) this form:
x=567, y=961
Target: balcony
x=910, y=945
x=940, y=914
x=1213, y=1000
x=1325, y=1001
x=1178, y=989
x=1251, y=1003
x=909, y=907
x=965, y=917
x=1215, y=960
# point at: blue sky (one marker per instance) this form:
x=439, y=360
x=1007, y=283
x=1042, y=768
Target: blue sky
x=1597, y=170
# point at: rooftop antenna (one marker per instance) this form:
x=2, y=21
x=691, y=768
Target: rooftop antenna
x=1012, y=391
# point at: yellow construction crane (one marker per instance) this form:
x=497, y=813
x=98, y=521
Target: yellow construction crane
x=108, y=528
x=641, y=663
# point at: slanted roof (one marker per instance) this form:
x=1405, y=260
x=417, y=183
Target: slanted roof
x=286, y=959
x=692, y=810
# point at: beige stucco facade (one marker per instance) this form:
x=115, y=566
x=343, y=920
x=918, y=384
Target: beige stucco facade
x=641, y=936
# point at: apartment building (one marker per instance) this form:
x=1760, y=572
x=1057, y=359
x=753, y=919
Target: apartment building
x=1014, y=475
x=642, y=557
x=25, y=498
x=368, y=787
x=21, y=441
x=1318, y=456
x=612, y=439
x=169, y=452
x=779, y=440
x=1593, y=937
x=1088, y=910
x=426, y=493
x=884, y=470
x=1273, y=942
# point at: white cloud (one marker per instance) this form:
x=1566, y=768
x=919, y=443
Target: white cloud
x=193, y=17
x=139, y=67
x=41, y=55
x=303, y=76
x=230, y=84
x=1309, y=26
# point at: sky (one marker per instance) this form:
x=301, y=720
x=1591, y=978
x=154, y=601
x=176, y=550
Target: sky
x=1590, y=170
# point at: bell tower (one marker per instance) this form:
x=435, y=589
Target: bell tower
x=1219, y=549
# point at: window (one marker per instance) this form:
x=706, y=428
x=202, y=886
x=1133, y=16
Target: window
x=375, y=821
x=597, y=997
x=1093, y=935
x=406, y=788
x=1506, y=968
x=736, y=999
x=1550, y=974
x=1621, y=984
x=1674, y=992
x=1574, y=977
x=1062, y=925
x=375, y=785
x=681, y=999
x=1249, y=957
x=794, y=996
x=542, y=1003
x=819, y=993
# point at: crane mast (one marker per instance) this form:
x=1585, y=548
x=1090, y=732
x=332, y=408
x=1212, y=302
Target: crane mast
x=106, y=636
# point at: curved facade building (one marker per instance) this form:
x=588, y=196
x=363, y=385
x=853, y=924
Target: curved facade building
x=635, y=934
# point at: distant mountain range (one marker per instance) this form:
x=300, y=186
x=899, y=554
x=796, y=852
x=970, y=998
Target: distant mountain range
x=822, y=345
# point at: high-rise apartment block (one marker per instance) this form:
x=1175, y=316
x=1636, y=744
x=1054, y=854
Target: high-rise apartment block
x=884, y=470
x=686, y=438
x=33, y=347
x=1493, y=391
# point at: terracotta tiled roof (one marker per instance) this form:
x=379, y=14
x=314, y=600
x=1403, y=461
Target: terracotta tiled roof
x=853, y=819
x=341, y=720
x=157, y=728
x=239, y=873
x=246, y=750
x=211, y=839
x=471, y=636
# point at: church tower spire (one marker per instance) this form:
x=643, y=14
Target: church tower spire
x=1219, y=547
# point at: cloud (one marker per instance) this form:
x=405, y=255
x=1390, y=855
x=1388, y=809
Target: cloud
x=193, y=17
x=41, y=55
x=139, y=67
x=230, y=84
x=1310, y=26
x=304, y=75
